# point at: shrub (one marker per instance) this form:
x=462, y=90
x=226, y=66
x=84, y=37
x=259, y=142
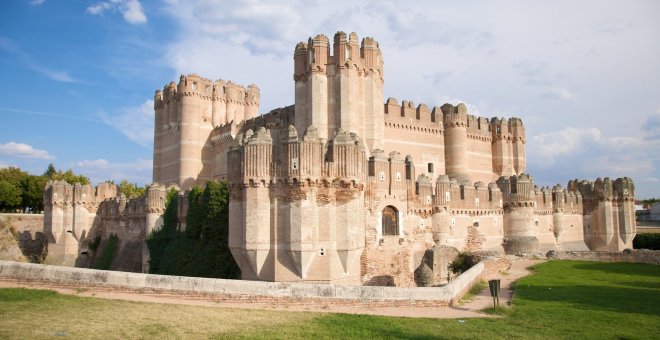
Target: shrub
x=463, y=262
x=647, y=241
x=108, y=253
x=202, y=249
x=95, y=244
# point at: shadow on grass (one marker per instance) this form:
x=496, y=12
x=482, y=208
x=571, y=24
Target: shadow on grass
x=25, y=294
x=621, y=268
x=648, y=285
x=615, y=299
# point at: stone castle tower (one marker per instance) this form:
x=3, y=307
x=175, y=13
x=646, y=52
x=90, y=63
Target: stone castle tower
x=346, y=187
x=185, y=116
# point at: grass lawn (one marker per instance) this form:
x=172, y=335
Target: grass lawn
x=563, y=299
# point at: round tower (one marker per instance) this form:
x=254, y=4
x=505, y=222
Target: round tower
x=441, y=218
x=195, y=125
x=251, y=101
x=455, y=118
x=311, y=86
x=520, y=227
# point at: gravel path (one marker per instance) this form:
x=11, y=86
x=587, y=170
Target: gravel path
x=467, y=310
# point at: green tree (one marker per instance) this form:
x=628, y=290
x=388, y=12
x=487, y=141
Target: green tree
x=69, y=177
x=158, y=240
x=50, y=171
x=202, y=249
x=196, y=213
x=33, y=192
x=131, y=190
x=647, y=203
x=10, y=195
x=10, y=188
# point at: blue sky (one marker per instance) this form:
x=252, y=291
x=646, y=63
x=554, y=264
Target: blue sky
x=78, y=77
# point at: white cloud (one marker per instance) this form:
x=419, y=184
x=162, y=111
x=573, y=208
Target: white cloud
x=61, y=76
x=136, y=123
x=548, y=147
x=99, y=8
x=37, y=2
x=506, y=58
x=131, y=10
x=22, y=150
x=587, y=153
x=557, y=93
x=93, y=164
x=100, y=170
x=651, y=127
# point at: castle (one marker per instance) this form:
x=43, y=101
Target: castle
x=346, y=187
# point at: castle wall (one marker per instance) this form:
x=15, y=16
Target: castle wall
x=75, y=215
x=417, y=132
x=342, y=188
x=186, y=114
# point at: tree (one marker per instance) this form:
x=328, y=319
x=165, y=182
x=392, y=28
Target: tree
x=50, y=172
x=33, y=192
x=196, y=212
x=647, y=203
x=131, y=190
x=202, y=249
x=10, y=188
x=10, y=195
x=70, y=177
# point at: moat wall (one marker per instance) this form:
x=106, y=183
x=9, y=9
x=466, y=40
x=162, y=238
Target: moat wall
x=249, y=291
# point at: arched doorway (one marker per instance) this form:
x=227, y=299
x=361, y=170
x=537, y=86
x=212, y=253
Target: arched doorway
x=390, y=221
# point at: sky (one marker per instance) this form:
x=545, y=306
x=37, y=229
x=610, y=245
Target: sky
x=78, y=77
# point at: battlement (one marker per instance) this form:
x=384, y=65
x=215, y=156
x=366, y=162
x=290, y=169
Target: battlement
x=512, y=129
x=195, y=85
x=406, y=115
x=621, y=189
x=290, y=159
x=464, y=195
x=316, y=55
x=478, y=127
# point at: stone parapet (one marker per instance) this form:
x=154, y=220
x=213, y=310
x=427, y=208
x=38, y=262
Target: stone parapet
x=243, y=289
x=629, y=255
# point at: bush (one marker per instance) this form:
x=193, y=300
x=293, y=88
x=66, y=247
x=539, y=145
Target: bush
x=108, y=253
x=463, y=262
x=201, y=250
x=647, y=241
x=95, y=244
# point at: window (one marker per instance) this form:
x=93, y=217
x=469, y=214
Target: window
x=194, y=86
x=430, y=167
x=408, y=170
x=390, y=221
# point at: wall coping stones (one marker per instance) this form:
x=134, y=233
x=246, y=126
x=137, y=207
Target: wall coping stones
x=242, y=289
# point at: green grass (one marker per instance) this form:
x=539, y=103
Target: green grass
x=562, y=299
x=476, y=289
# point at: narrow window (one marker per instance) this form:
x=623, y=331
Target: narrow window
x=430, y=166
